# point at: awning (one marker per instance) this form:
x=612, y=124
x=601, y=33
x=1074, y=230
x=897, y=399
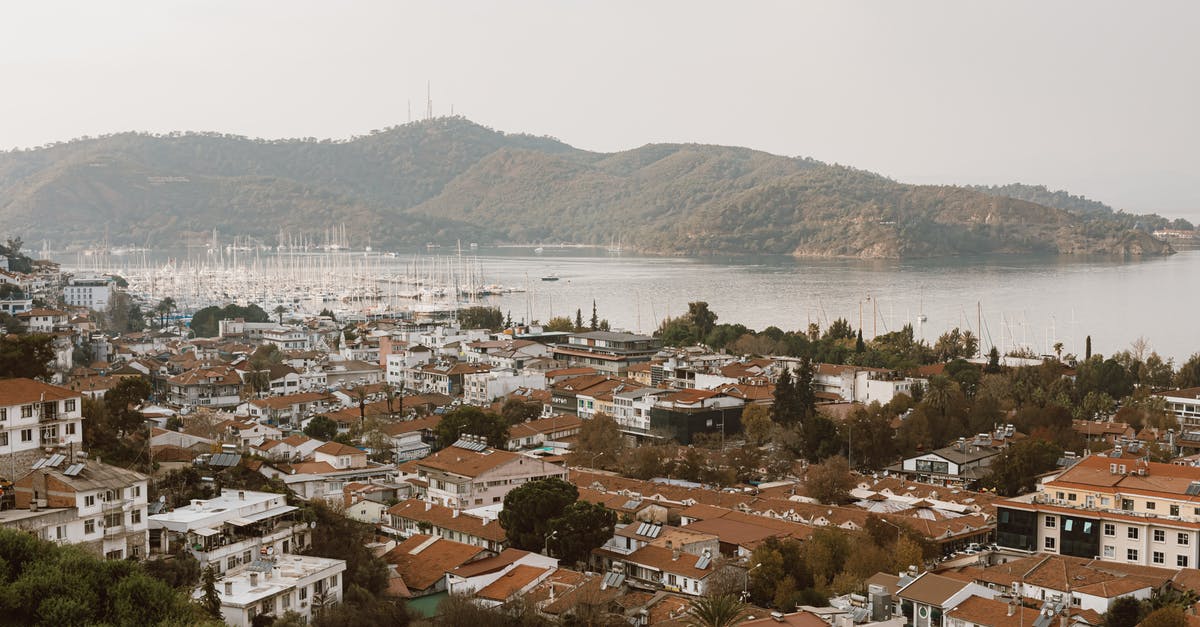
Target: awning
x=205, y=532
x=257, y=516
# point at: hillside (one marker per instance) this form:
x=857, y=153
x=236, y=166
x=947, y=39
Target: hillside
x=448, y=178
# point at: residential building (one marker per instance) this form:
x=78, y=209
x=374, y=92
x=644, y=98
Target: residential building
x=1185, y=404
x=290, y=410
x=91, y=292
x=538, y=432
x=471, y=474
x=415, y=516
x=962, y=464
x=445, y=377
x=108, y=504
x=230, y=530
x=35, y=416
x=216, y=386
x=684, y=413
x=279, y=584
x=631, y=408
x=482, y=388
x=925, y=599
x=421, y=562
x=340, y=456
x=1111, y=509
x=43, y=320
x=606, y=351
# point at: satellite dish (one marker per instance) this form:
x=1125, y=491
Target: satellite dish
x=270, y=550
x=312, y=525
x=162, y=498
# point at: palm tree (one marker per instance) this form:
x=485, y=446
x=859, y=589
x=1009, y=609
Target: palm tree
x=1058, y=349
x=938, y=394
x=725, y=610
x=279, y=311
x=164, y=309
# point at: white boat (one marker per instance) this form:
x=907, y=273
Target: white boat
x=539, y=250
x=550, y=277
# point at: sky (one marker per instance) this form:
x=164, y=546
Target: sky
x=1099, y=98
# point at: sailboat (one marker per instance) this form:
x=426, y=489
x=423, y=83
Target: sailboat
x=614, y=245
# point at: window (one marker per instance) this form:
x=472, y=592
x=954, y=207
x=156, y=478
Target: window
x=1131, y=555
x=135, y=491
x=1104, y=501
x=231, y=563
x=89, y=500
x=1110, y=529
x=4, y=439
x=89, y=526
x=50, y=433
x=303, y=592
x=1126, y=503
x=1160, y=535
x=70, y=428
x=60, y=532
x=1132, y=533
x=135, y=517
x=246, y=557
x=1150, y=505
x=1110, y=551
x=1184, y=539
x=1174, y=510
x=1071, y=496
x=69, y=405
x=114, y=519
x=3, y=413
x=1181, y=561
x=1156, y=557
x=1050, y=543
x=1058, y=495
x=27, y=411
x=26, y=435
x=1051, y=522
x=114, y=555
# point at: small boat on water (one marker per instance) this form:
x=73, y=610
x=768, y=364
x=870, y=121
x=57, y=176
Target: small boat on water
x=550, y=277
x=539, y=250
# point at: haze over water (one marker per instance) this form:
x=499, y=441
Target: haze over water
x=1023, y=301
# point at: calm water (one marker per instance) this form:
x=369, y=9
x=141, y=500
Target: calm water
x=1010, y=301
x=1017, y=301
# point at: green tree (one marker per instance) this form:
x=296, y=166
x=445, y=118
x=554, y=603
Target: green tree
x=321, y=428
x=594, y=323
x=1015, y=470
x=578, y=320
x=279, y=311
x=210, y=601
x=121, y=401
x=164, y=309
x=830, y=481
x=27, y=356
x=529, y=509
x=337, y=536
x=717, y=611
x=599, y=444
x=785, y=408
x=1189, y=373
x=467, y=419
x=756, y=423
x=481, y=318
x=1124, y=612
x=559, y=324
x=1171, y=616
x=582, y=527
x=516, y=411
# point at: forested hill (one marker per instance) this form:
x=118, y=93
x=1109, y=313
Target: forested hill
x=448, y=178
x=1041, y=195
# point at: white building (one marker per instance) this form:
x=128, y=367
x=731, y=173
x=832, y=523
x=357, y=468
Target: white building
x=35, y=416
x=108, y=504
x=231, y=530
x=277, y=585
x=91, y=292
x=1185, y=405
x=482, y=388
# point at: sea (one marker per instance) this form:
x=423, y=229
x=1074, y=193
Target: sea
x=1009, y=301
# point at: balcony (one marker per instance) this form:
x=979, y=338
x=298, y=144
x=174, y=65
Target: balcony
x=116, y=505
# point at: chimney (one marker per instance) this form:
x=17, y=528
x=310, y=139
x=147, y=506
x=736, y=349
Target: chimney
x=428, y=505
x=253, y=580
x=675, y=555
x=454, y=514
x=241, y=495
x=228, y=588
x=1012, y=608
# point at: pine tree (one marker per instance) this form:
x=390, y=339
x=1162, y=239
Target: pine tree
x=785, y=410
x=210, y=601
x=595, y=318
x=578, y=319
x=1087, y=354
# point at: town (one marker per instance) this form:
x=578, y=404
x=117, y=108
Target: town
x=455, y=467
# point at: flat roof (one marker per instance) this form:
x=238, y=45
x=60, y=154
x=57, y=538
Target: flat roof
x=214, y=512
x=289, y=570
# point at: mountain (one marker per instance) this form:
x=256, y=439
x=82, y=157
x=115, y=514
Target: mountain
x=1060, y=199
x=448, y=178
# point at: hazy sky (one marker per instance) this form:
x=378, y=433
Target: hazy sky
x=1099, y=98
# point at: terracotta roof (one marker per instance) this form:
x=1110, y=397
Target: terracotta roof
x=931, y=589
x=667, y=561
x=337, y=448
x=992, y=613
x=22, y=391
x=511, y=582
x=797, y=619
x=460, y=461
x=558, y=422
x=282, y=402
x=490, y=564
x=427, y=423
x=296, y=440
x=1163, y=480
x=443, y=517
x=423, y=560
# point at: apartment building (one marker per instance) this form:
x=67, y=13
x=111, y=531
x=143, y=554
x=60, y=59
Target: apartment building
x=35, y=416
x=1111, y=509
